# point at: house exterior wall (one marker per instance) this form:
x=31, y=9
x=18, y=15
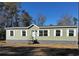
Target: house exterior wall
x=44, y=39
x=18, y=36
x=64, y=36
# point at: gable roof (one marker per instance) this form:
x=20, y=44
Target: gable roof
x=32, y=26
x=58, y=27
x=41, y=27
x=22, y=27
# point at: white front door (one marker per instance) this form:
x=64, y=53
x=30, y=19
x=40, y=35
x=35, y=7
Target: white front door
x=34, y=34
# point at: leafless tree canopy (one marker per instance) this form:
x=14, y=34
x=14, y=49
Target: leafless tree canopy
x=26, y=18
x=41, y=20
x=9, y=14
x=67, y=21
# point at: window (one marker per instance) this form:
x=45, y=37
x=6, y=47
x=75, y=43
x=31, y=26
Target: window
x=23, y=33
x=11, y=33
x=71, y=32
x=57, y=32
x=43, y=33
x=40, y=32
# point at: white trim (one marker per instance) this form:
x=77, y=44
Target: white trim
x=8, y=32
x=40, y=30
x=26, y=32
x=37, y=32
x=61, y=32
x=75, y=32
x=39, y=27
x=13, y=32
x=23, y=30
x=31, y=25
x=48, y=33
x=67, y=32
x=54, y=32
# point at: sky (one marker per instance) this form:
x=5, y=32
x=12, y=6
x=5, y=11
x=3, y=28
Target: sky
x=53, y=11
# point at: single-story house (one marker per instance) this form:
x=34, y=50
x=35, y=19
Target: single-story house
x=43, y=34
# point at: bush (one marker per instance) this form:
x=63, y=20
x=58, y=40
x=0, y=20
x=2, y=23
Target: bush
x=2, y=33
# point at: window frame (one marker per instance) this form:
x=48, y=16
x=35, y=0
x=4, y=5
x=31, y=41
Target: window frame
x=74, y=34
x=22, y=33
x=39, y=32
x=10, y=33
x=60, y=32
x=71, y=32
x=43, y=34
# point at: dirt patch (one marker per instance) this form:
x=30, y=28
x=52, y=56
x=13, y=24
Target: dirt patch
x=35, y=51
x=39, y=52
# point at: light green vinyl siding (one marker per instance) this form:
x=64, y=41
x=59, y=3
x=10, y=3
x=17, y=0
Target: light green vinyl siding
x=51, y=36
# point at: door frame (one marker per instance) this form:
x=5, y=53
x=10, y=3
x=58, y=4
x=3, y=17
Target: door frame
x=32, y=34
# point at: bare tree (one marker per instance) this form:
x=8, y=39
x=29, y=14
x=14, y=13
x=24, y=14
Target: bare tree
x=26, y=18
x=9, y=11
x=75, y=20
x=8, y=14
x=12, y=8
x=65, y=21
x=41, y=20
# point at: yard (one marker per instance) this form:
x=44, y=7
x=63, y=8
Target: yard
x=23, y=49
x=35, y=51
x=23, y=44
